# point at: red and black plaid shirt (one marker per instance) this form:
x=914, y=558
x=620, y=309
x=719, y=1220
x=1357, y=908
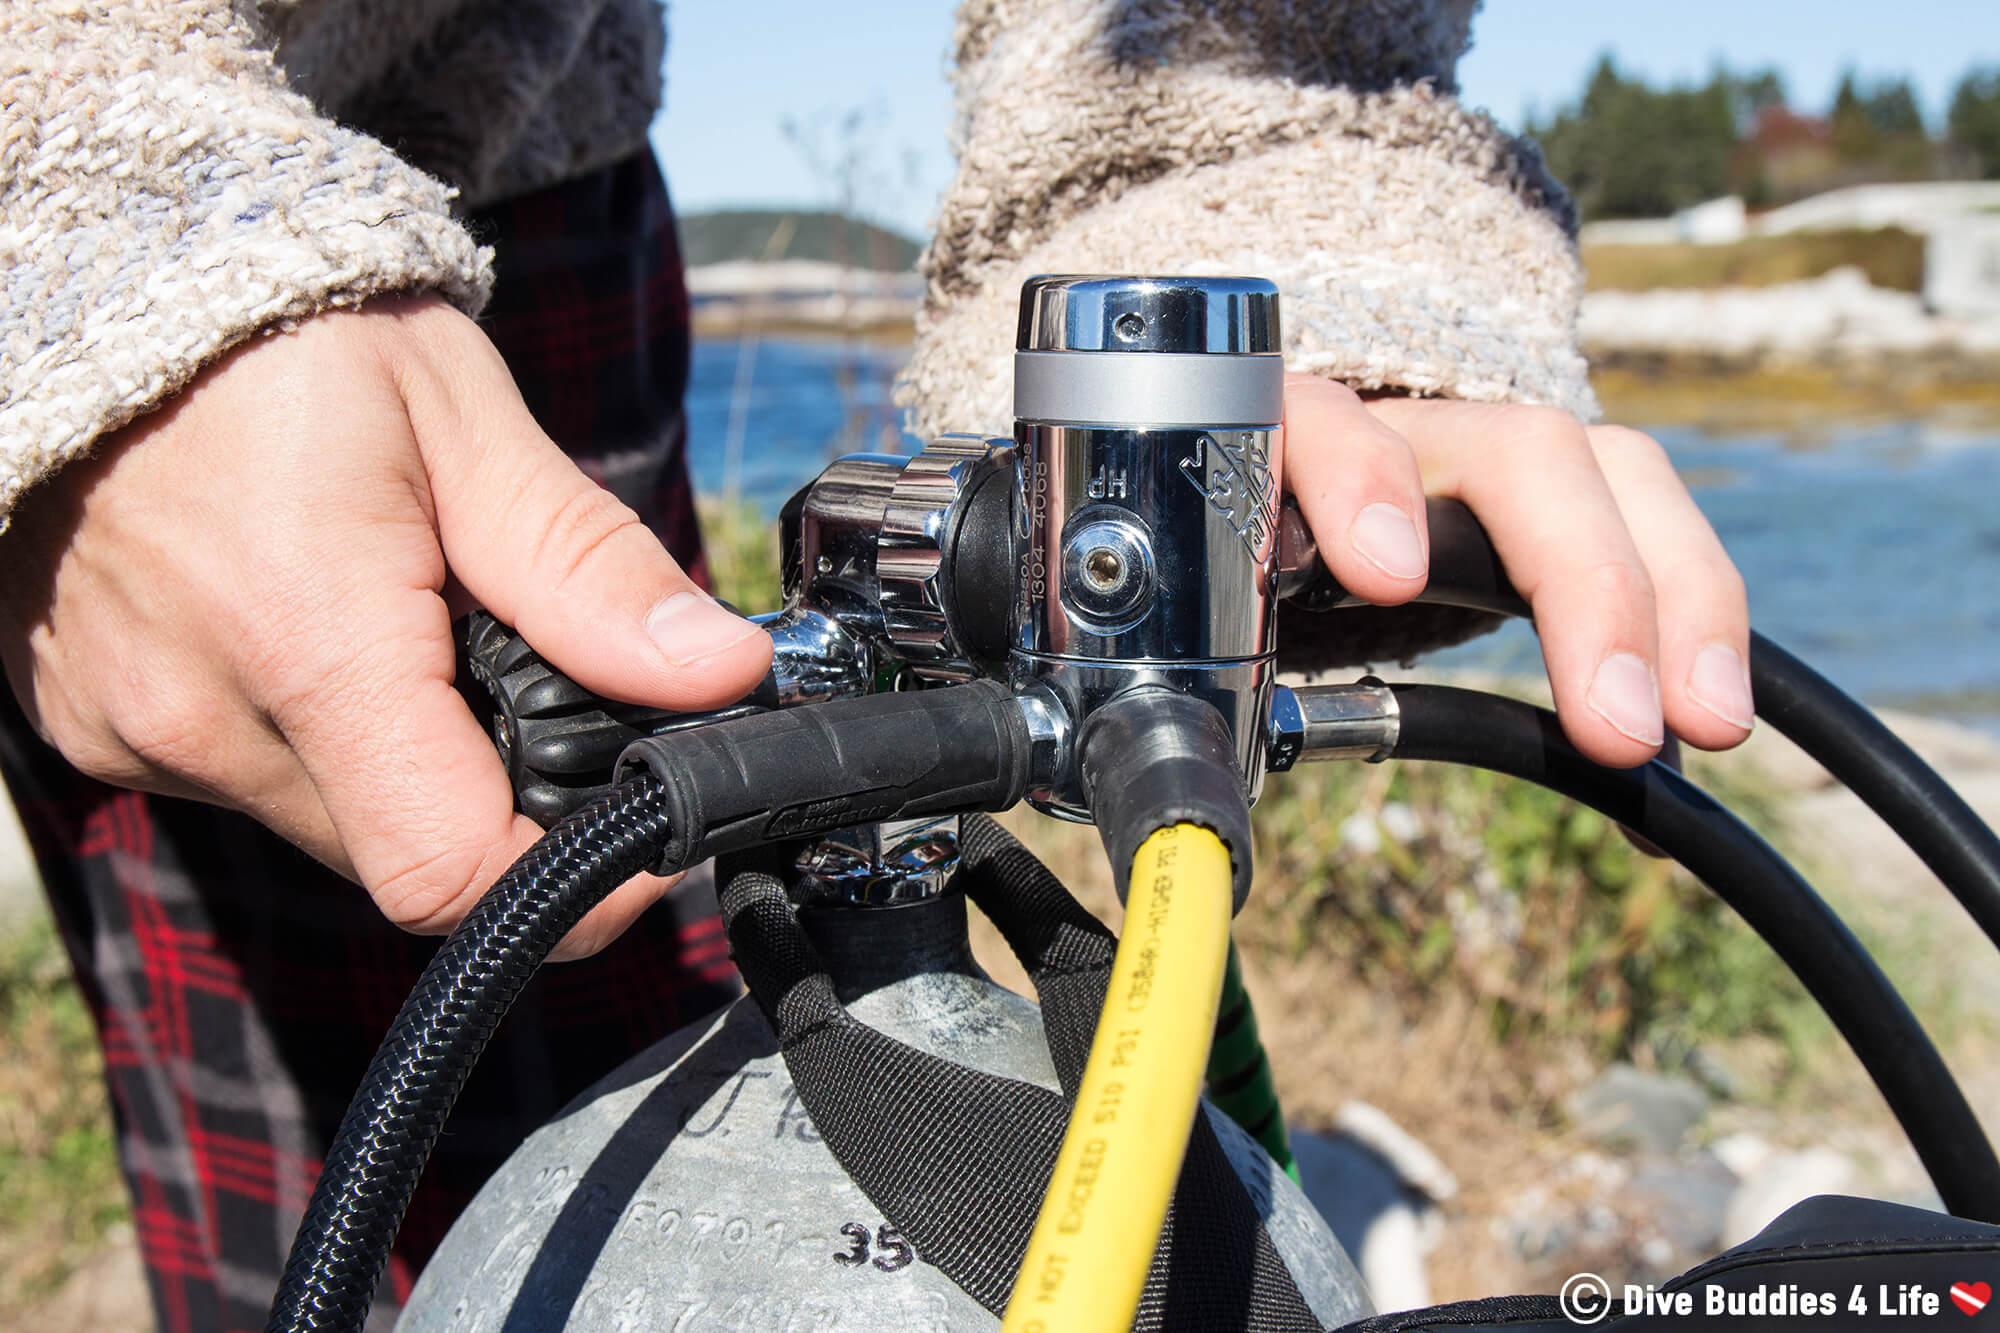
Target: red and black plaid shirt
x=240, y=987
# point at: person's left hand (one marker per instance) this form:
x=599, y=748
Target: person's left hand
x=1642, y=617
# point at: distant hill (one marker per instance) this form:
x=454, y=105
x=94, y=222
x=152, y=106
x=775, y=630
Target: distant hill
x=714, y=238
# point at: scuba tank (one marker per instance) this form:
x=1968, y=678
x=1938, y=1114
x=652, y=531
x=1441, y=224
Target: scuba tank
x=689, y=1189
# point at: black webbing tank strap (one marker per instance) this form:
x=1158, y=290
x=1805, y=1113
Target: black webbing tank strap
x=957, y=1159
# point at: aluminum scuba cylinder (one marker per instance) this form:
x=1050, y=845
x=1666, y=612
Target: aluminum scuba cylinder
x=689, y=1191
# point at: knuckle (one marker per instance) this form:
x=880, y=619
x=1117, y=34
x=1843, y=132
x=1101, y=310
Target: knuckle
x=1713, y=578
x=174, y=732
x=92, y=749
x=1626, y=444
x=293, y=686
x=1620, y=584
x=298, y=678
x=432, y=894
x=1525, y=421
x=583, y=524
x=74, y=723
x=1321, y=389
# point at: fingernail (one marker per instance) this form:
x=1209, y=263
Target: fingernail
x=1624, y=693
x=1720, y=684
x=689, y=627
x=1385, y=535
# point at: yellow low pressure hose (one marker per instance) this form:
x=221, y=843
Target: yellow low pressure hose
x=1100, y=1221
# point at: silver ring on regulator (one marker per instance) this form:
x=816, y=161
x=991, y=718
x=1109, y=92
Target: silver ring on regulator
x=909, y=559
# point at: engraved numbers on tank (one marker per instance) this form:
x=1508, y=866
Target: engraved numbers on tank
x=892, y=1251
x=857, y=1254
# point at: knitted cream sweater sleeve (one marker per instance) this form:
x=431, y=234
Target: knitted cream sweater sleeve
x=163, y=196
x=1313, y=142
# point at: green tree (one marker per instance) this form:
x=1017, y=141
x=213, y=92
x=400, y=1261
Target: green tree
x=1754, y=94
x=1627, y=150
x=1892, y=110
x=1974, y=120
x=1854, y=136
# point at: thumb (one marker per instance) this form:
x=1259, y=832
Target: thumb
x=559, y=558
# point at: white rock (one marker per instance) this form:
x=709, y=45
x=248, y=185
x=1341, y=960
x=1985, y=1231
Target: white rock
x=1377, y=1187
x=1838, y=312
x=1360, y=832
x=1742, y=1152
x=1418, y=1166
x=1782, y=1180
x=1400, y=822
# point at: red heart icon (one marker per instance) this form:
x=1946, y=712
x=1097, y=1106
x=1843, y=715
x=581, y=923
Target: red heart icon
x=1970, y=1297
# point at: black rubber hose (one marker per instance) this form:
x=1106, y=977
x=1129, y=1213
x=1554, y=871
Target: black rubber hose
x=394, y=1120
x=1466, y=727
x=1839, y=734
x=1874, y=763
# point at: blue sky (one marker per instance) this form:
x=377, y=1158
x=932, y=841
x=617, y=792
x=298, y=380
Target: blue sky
x=737, y=70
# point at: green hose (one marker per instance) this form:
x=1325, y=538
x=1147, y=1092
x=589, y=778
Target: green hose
x=1239, y=1073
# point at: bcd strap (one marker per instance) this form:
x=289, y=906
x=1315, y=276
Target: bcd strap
x=957, y=1158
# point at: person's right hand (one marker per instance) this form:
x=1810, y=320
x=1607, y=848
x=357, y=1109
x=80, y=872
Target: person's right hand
x=242, y=598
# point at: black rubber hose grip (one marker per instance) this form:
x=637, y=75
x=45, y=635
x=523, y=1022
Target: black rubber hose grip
x=806, y=771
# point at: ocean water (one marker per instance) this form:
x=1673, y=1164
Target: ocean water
x=1872, y=553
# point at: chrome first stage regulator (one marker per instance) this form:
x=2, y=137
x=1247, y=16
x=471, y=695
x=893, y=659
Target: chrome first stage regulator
x=1116, y=564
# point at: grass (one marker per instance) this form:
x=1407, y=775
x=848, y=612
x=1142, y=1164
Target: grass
x=1800, y=399
x=60, y=1190
x=1413, y=880
x=1891, y=258
x=742, y=550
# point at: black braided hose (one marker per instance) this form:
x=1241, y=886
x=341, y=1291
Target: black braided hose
x=389, y=1129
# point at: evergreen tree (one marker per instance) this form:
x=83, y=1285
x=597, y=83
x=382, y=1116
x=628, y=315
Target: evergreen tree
x=1626, y=150
x=1974, y=121
x=1892, y=111
x=1854, y=135
x=1757, y=93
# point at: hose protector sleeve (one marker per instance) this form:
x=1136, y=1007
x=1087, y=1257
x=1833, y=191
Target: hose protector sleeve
x=394, y=1120
x=800, y=772
x=1152, y=759
x=1466, y=727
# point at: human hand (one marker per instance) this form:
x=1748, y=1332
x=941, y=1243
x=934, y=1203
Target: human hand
x=242, y=598
x=1641, y=614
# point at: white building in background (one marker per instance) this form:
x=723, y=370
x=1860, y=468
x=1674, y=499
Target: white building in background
x=1962, y=266
x=1919, y=207
x=1717, y=222
x=1960, y=221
